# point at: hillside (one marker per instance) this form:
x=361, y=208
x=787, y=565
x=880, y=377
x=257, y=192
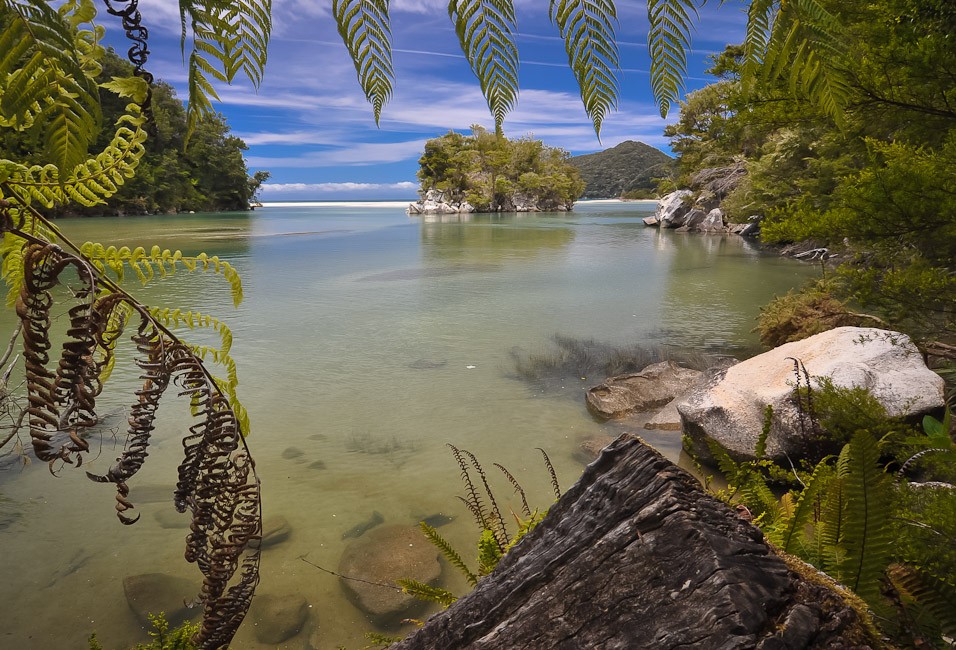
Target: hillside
x=627, y=167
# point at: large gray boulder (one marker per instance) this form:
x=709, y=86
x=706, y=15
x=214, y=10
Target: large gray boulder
x=672, y=208
x=277, y=618
x=380, y=557
x=637, y=555
x=730, y=406
x=651, y=388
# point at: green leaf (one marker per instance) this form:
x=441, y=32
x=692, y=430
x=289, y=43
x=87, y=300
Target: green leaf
x=668, y=38
x=135, y=88
x=587, y=27
x=485, y=30
x=364, y=28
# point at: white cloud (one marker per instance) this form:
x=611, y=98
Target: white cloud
x=312, y=188
x=349, y=154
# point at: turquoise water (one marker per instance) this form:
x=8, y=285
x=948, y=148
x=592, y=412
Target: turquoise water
x=366, y=341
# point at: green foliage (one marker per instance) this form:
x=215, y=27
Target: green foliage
x=448, y=552
x=494, y=173
x=485, y=32
x=668, y=39
x=226, y=38
x=587, y=27
x=422, y=591
x=622, y=170
x=802, y=313
x=46, y=77
x=364, y=28
x=163, y=638
x=891, y=542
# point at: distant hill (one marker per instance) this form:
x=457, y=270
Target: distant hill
x=627, y=167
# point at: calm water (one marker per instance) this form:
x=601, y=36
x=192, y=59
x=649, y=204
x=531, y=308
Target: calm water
x=368, y=340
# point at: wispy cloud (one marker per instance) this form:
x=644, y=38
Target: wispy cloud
x=335, y=188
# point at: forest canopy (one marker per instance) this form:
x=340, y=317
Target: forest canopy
x=493, y=173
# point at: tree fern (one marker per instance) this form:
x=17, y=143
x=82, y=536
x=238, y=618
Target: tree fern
x=485, y=32
x=364, y=28
x=668, y=39
x=587, y=27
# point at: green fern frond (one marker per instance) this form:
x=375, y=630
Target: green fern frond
x=867, y=537
x=790, y=528
x=587, y=27
x=46, y=87
x=489, y=552
x=364, y=28
x=802, y=42
x=89, y=182
x=485, y=30
x=668, y=39
x=228, y=37
x=448, y=552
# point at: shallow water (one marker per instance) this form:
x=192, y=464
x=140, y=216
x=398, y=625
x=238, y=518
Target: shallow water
x=366, y=341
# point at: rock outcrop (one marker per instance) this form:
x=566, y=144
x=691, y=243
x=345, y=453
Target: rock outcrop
x=434, y=202
x=652, y=387
x=636, y=555
x=697, y=208
x=730, y=407
x=380, y=557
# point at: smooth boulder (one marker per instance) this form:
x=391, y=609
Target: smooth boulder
x=730, y=406
x=383, y=555
x=152, y=593
x=651, y=388
x=278, y=618
x=637, y=555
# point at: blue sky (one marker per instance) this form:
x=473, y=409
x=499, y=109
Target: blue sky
x=310, y=126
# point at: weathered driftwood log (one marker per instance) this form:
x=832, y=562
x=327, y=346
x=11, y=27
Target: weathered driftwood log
x=636, y=555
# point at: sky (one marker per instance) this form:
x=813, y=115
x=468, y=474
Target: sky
x=310, y=126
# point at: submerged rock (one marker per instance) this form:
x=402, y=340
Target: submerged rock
x=360, y=529
x=278, y=618
x=637, y=555
x=275, y=530
x=383, y=556
x=292, y=453
x=152, y=593
x=730, y=406
x=651, y=388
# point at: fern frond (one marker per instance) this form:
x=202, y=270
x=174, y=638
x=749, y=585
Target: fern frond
x=364, y=28
x=495, y=521
x=867, y=537
x=46, y=88
x=668, y=39
x=448, y=552
x=554, y=476
x=518, y=489
x=228, y=37
x=473, y=501
x=485, y=30
x=787, y=535
x=426, y=592
x=928, y=592
x=489, y=553
x=587, y=27
x=801, y=41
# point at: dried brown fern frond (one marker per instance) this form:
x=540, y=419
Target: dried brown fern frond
x=217, y=478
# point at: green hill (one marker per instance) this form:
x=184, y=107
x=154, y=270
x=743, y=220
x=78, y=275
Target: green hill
x=630, y=166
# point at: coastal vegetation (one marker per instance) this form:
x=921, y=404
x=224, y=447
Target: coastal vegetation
x=630, y=170
x=869, y=187
x=495, y=174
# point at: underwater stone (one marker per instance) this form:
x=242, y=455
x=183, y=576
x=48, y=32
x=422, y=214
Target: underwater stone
x=275, y=530
x=383, y=556
x=291, y=453
x=278, y=618
x=171, y=519
x=360, y=529
x=151, y=593
x=651, y=388
x=319, y=464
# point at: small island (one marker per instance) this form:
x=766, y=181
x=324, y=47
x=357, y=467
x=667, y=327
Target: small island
x=487, y=172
